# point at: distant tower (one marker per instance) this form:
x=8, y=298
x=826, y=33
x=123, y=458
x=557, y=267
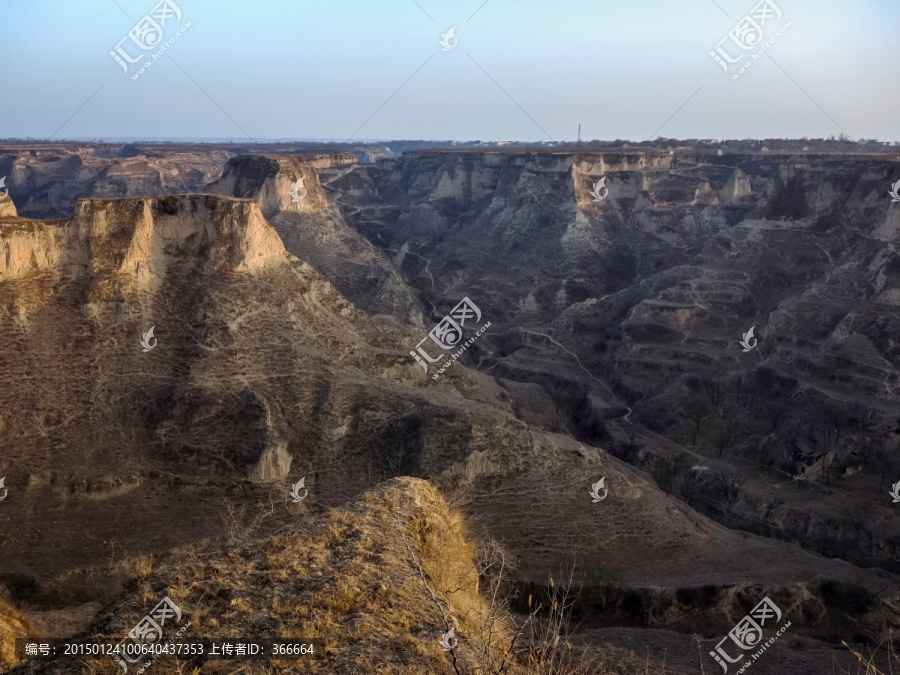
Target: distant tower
x=579, y=133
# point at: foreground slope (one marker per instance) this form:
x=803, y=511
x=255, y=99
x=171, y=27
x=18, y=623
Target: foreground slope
x=377, y=583
x=359, y=579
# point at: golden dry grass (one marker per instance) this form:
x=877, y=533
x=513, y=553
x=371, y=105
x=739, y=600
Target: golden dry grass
x=13, y=624
x=378, y=582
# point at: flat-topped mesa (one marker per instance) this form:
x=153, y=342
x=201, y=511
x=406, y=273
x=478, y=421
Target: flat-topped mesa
x=141, y=237
x=278, y=182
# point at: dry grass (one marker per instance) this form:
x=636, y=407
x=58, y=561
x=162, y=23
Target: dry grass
x=868, y=664
x=13, y=624
x=352, y=578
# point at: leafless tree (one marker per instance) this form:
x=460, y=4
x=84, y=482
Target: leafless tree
x=731, y=482
x=859, y=518
x=774, y=413
x=725, y=433
x=550, y=649
x=865, y=455
x=749, y=401
x=861, y=417
x=715, y=389
x=765, y=452
x=697, y=410
x=688, y=488
x=831, y=424
x=887, y=465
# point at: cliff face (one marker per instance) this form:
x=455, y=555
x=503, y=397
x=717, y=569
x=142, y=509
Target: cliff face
x=47, y=182
x=257, y=369
x=267, y=179
x=77, y=300
x=127, y=248
x=288, y=191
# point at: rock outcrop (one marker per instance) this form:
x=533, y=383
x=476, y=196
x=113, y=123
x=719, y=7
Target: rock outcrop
x=287, y=190
x=8, y=208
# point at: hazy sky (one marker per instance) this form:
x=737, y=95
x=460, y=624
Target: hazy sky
x=320, y=69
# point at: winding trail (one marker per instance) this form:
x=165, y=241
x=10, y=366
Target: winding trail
x=615, y=398
x=590, y=374
x=402, y=252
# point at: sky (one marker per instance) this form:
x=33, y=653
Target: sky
x=522, y=70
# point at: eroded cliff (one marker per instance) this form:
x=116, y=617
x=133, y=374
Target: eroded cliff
x=288, y=191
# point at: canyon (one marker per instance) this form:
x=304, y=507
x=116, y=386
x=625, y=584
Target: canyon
x=285, y=331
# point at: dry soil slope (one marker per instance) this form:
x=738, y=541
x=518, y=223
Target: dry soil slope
x=13, y=624
x=358, y=578
x=377, y=582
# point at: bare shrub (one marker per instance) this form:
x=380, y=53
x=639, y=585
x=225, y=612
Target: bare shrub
x=548, y=635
